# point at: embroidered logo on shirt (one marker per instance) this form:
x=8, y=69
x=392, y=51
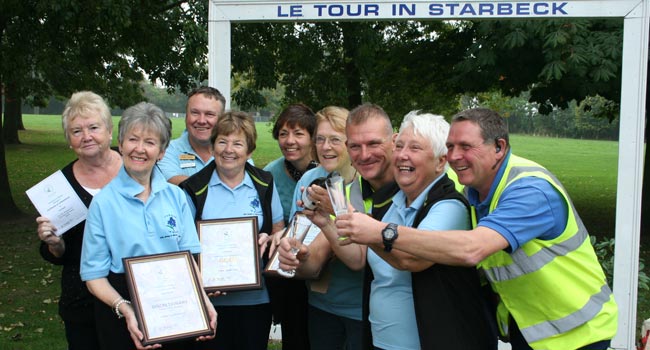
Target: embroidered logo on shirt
x=172, y=228
x=171, y=223
x=255, y=203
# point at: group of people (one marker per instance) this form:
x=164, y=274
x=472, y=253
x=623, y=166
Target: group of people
x=450, y=240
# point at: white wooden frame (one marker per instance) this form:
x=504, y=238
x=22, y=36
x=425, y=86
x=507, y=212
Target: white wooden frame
x=632, y=114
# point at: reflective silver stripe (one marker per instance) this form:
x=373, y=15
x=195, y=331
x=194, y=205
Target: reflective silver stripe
x=522, y=263
x=550, y=328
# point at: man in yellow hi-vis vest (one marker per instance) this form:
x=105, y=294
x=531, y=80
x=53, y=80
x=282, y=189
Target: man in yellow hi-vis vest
x=527, y=238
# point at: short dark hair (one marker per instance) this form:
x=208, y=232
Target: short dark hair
x=208, y=92
x=492, y=125
x=296, y=115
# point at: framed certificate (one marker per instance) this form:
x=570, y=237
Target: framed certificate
x=167, y=297
x=230, y=255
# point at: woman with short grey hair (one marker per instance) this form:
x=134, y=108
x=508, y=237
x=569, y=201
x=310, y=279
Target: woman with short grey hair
x=138, y=213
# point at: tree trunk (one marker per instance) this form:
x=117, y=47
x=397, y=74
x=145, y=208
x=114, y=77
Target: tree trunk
x=20, y=124
x=12, y=115
x=350, y=52
x=8, y=208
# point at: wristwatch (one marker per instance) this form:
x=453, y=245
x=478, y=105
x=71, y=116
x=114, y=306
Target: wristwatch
x=389, y=235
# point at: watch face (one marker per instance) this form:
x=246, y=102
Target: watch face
x=389, y=233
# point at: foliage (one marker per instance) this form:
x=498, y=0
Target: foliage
x=398, y=65
x=556, y=60
x=605, y=251
x=580, y=121
x=101, y=46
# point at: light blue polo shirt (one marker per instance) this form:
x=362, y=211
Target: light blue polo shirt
x=181, y=159
x=120, y=225
x=223, y=202
x=345, y=290
x=392, y=314
x=284, y=183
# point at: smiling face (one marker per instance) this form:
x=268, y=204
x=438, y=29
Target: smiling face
x=414, y=164
x=88, y=135
x=202, y=114
x=295, y=144
x=141, y=149
x=474, y=161
x=231, y=153
x=370, y=147
x=330, y=147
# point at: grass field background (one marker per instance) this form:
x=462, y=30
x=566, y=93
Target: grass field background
x=29, y=286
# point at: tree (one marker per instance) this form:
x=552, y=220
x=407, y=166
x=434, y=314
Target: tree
x=58, y=47
x=429, y=64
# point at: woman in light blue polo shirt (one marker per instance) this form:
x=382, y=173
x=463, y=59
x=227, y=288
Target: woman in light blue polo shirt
x=138, y=213
x=236, y=188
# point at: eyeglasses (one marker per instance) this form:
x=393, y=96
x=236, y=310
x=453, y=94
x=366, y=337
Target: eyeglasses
x=334, y=140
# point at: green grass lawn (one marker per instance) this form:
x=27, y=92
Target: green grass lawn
x=29, y=286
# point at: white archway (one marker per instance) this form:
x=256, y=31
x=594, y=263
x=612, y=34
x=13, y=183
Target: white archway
x=635, y=57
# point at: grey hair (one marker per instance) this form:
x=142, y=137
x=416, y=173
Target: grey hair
x=82, y=103
x=149, y=116
x=431, y=126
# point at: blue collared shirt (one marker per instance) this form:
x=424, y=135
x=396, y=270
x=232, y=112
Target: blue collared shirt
x=392, y=313
x=529, y=208
x=120, y=225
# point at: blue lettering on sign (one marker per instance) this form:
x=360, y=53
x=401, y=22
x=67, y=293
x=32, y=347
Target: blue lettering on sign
x=467, y=10
x=436, y=10
x=404, y=9
x=485, y=9
x=358, y=10
x=559, y=8
x=500, y=9
x=294, y=11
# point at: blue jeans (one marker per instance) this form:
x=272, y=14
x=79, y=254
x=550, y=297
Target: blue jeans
x=331, y=332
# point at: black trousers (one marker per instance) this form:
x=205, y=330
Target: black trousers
x=240, y=328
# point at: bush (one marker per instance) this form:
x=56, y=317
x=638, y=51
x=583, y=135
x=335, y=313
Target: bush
x=605, y=252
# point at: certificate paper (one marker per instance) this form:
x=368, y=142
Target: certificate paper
x=229, y=258
x=166, y=296
x=55, y=199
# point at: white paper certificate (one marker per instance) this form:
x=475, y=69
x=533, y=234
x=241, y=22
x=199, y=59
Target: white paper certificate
x=229, y=258
x=166, y=297
x=55, y=199
x=168, y=301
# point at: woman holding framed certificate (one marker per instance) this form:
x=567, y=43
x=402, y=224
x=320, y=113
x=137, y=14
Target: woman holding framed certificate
x=226, y=191
x=137, y=214
x=88, y=128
